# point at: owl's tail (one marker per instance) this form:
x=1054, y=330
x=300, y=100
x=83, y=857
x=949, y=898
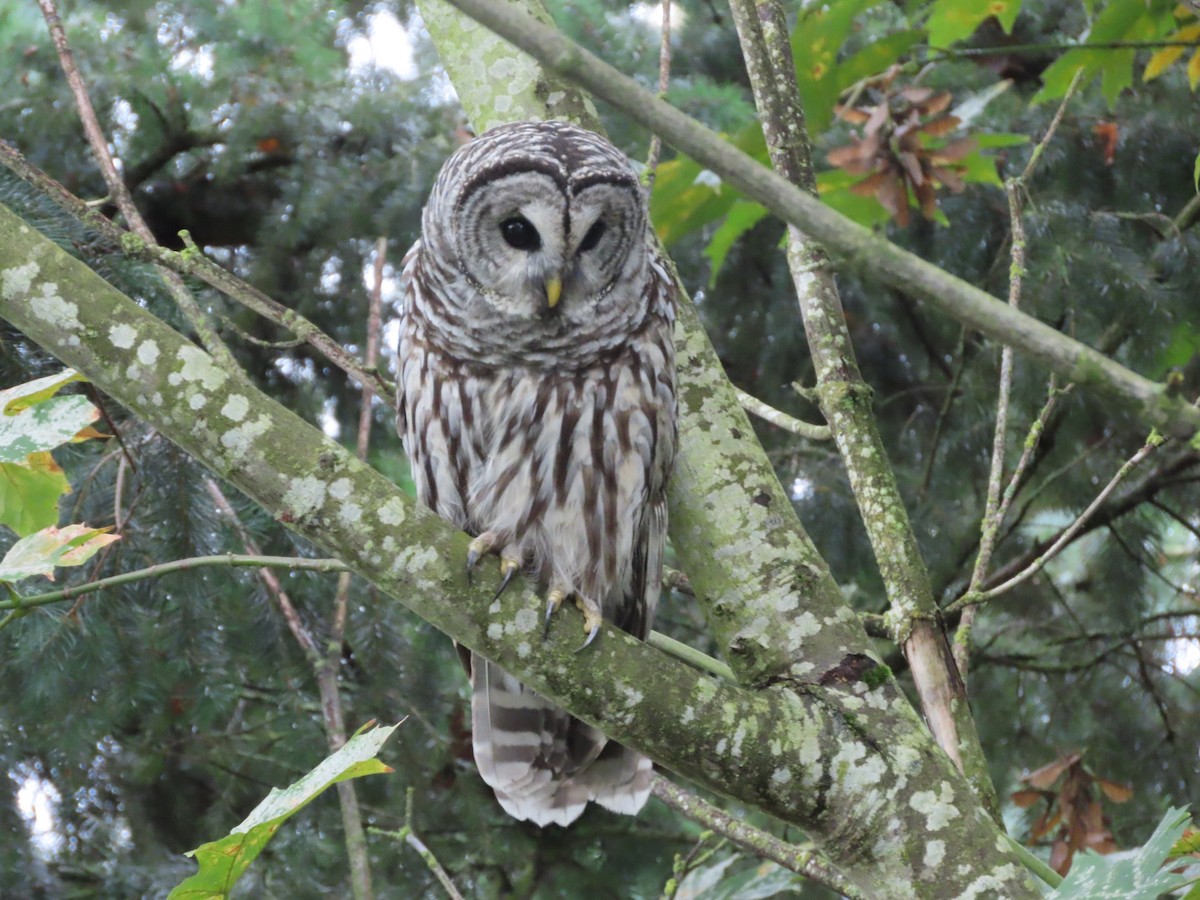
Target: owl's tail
x=543, y=763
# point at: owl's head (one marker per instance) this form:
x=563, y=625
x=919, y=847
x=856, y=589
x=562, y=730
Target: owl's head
x=543, y=219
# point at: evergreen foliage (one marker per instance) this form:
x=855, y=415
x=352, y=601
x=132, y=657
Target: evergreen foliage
x=160, y=712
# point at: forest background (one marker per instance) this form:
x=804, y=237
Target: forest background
x=142, y=721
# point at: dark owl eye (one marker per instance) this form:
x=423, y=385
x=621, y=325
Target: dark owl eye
x=519, y=233
x=592, y=238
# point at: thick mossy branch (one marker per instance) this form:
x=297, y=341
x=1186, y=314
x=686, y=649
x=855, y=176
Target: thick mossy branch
x=857, y=246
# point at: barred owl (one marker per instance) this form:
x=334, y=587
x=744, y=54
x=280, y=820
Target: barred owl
x=537, y=407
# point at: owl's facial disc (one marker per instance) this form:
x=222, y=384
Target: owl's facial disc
x=535, y=251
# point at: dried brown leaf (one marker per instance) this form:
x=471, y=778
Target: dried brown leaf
x=938, y=127
x=1026, y=799
x=1117, y=793
x=955, y=150
x=851, y=114
x=949, y=178
x=935, y=104
x=1049, y=773
x=1060, y=857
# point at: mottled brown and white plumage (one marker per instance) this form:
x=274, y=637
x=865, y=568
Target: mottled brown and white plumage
x=537, y=407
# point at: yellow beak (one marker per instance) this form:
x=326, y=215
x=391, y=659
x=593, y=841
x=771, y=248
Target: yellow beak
x=553, y=291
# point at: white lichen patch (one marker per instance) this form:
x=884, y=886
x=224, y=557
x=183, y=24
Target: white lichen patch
x=935, y=852
x=804, y=625
x=196, y=400
x=738, y=737
x=18, y=280
x=340, y=489
x=241, y=440
x=632, y=696
x=808, y=754
x=389, y=544
x=198, y=368
x=415, y=560
x=938, y=807
x=122, y=336
x=523, y=649
x=350, y=514
x=705, y=690
x=304, y=496
x=865, y=774
x=781, y=776
x=54, y=310
x=147, y=352
x=495, y=631
x=689, y=713
x=525, y=621
x=996, y=884
x=235, y=408
x=392, y=512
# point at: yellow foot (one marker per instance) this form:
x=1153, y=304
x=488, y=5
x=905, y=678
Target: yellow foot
x=510, y=565
x=554, y=600
x=592, y=619
x=478, y=548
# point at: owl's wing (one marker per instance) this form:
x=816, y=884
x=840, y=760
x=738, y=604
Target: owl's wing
x=407, y=266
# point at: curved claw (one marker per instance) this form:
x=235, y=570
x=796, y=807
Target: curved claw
x=509, y=568
x=553, y=601
x=477, y=548
x=592, y=620
x=591, y=637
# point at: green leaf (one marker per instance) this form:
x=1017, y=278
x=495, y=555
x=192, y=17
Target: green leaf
x=1140, y=877
x=833, y=187
x=1196, y=173
x=29, y=493
x=223, y=862
x=953, y=20
x=743, y=216
x=43, y=426
x=1000, y=139
x=819, y=35
x=41, y=552
x=765, y=880
x=1123, y=20
x=15, y=399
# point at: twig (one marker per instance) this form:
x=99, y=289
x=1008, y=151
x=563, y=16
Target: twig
x=228, y=560
x=409, y=837
x=1152, y=443
x=694, y=859
x=967, y=52
x=193, y=262
x=804, y=860
x=995, y=506
x=689, y=655
x=780, y=419
x=327, y=673
x=664, y=82
x=120, y=193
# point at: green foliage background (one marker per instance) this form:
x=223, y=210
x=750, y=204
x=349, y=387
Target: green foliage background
x=163, y=711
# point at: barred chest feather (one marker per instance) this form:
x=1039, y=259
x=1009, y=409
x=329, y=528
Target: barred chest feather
x=563, y=465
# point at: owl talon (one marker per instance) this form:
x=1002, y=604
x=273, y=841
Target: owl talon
x=509, y=567
x=592, y=620
x=591, y=637
x=478, y=548
x=554, y=600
